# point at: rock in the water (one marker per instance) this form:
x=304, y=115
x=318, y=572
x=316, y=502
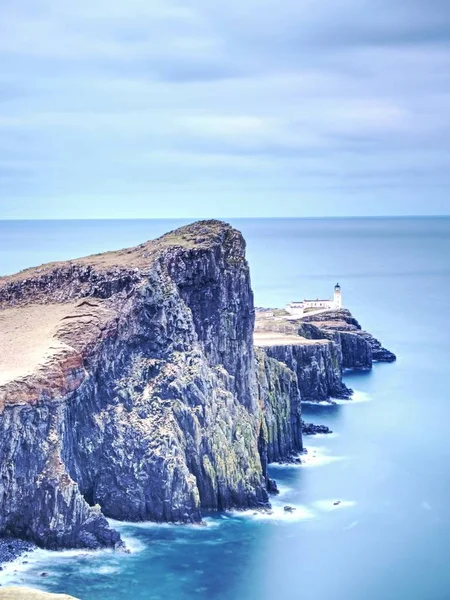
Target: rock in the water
x=272, y=486
x=289, y=509
x=311, y=429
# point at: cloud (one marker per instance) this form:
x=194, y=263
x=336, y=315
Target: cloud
x=126, y=99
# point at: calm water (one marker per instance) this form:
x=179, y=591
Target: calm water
x=387, y=461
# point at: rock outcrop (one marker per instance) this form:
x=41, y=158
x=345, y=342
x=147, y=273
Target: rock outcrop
x=312, y=429
x=142, y=402
x=355, y=354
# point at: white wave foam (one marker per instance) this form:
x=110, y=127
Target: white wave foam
x=211, y=522
x=120, y=525
x=329, y=402
x=276, y=514
x=283, y=489
x=126, y=525
x=318, y=436
x=318, y=456
x=13, y=570
x=107, y=570
x=315, y=457
x=132, y=544
x=357, y=397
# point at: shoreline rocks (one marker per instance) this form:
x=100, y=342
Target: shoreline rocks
x=311, y=429
x=13, y=548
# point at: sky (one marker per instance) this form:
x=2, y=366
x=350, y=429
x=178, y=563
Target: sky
x=244, y=108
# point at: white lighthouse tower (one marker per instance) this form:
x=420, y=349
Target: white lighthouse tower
x=337, y=296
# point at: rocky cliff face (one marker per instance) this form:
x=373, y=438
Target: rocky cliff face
x=129, y=388
x=318, y=348
x=143, y=405
x=354, y=339
x=356, y=351
x=318, y=367
x=280, y=401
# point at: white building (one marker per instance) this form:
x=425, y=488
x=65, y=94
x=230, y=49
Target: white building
x=297, y=309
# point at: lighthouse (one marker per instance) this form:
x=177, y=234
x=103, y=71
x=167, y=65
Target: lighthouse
x=337, y=296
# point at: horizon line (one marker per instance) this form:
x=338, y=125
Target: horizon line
x=414, y=216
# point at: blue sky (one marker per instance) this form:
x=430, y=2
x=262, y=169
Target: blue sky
x=160, y=108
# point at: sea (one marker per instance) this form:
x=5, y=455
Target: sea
x=372, y=518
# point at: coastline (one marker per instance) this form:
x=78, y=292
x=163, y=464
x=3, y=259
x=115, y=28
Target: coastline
x=267, y=384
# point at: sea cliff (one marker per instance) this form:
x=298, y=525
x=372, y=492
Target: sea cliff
x=280, y=404
x=139, y=399
x=318, y=348
x=355, y=356
x=130, y=388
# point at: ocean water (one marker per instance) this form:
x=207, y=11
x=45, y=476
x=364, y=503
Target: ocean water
x=387, y=460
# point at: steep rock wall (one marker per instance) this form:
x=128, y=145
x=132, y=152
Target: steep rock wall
x=356, y=351
x=318, y=367
x=153, y=414
x=281, y=419
x=343, y=321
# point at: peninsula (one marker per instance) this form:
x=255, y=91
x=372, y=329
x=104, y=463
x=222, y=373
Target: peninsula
x=132, y=387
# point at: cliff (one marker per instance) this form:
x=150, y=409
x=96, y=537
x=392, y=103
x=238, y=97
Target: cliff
x=318, y=367
x=355, y=350
x=355, y=337
x=128, y=389
x=280, y=403
x=318, y=348
x=313, y=355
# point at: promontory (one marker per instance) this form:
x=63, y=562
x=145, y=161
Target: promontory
x=130, y=388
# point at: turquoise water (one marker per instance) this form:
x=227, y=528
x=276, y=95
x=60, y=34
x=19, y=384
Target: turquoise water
x=387, y=461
